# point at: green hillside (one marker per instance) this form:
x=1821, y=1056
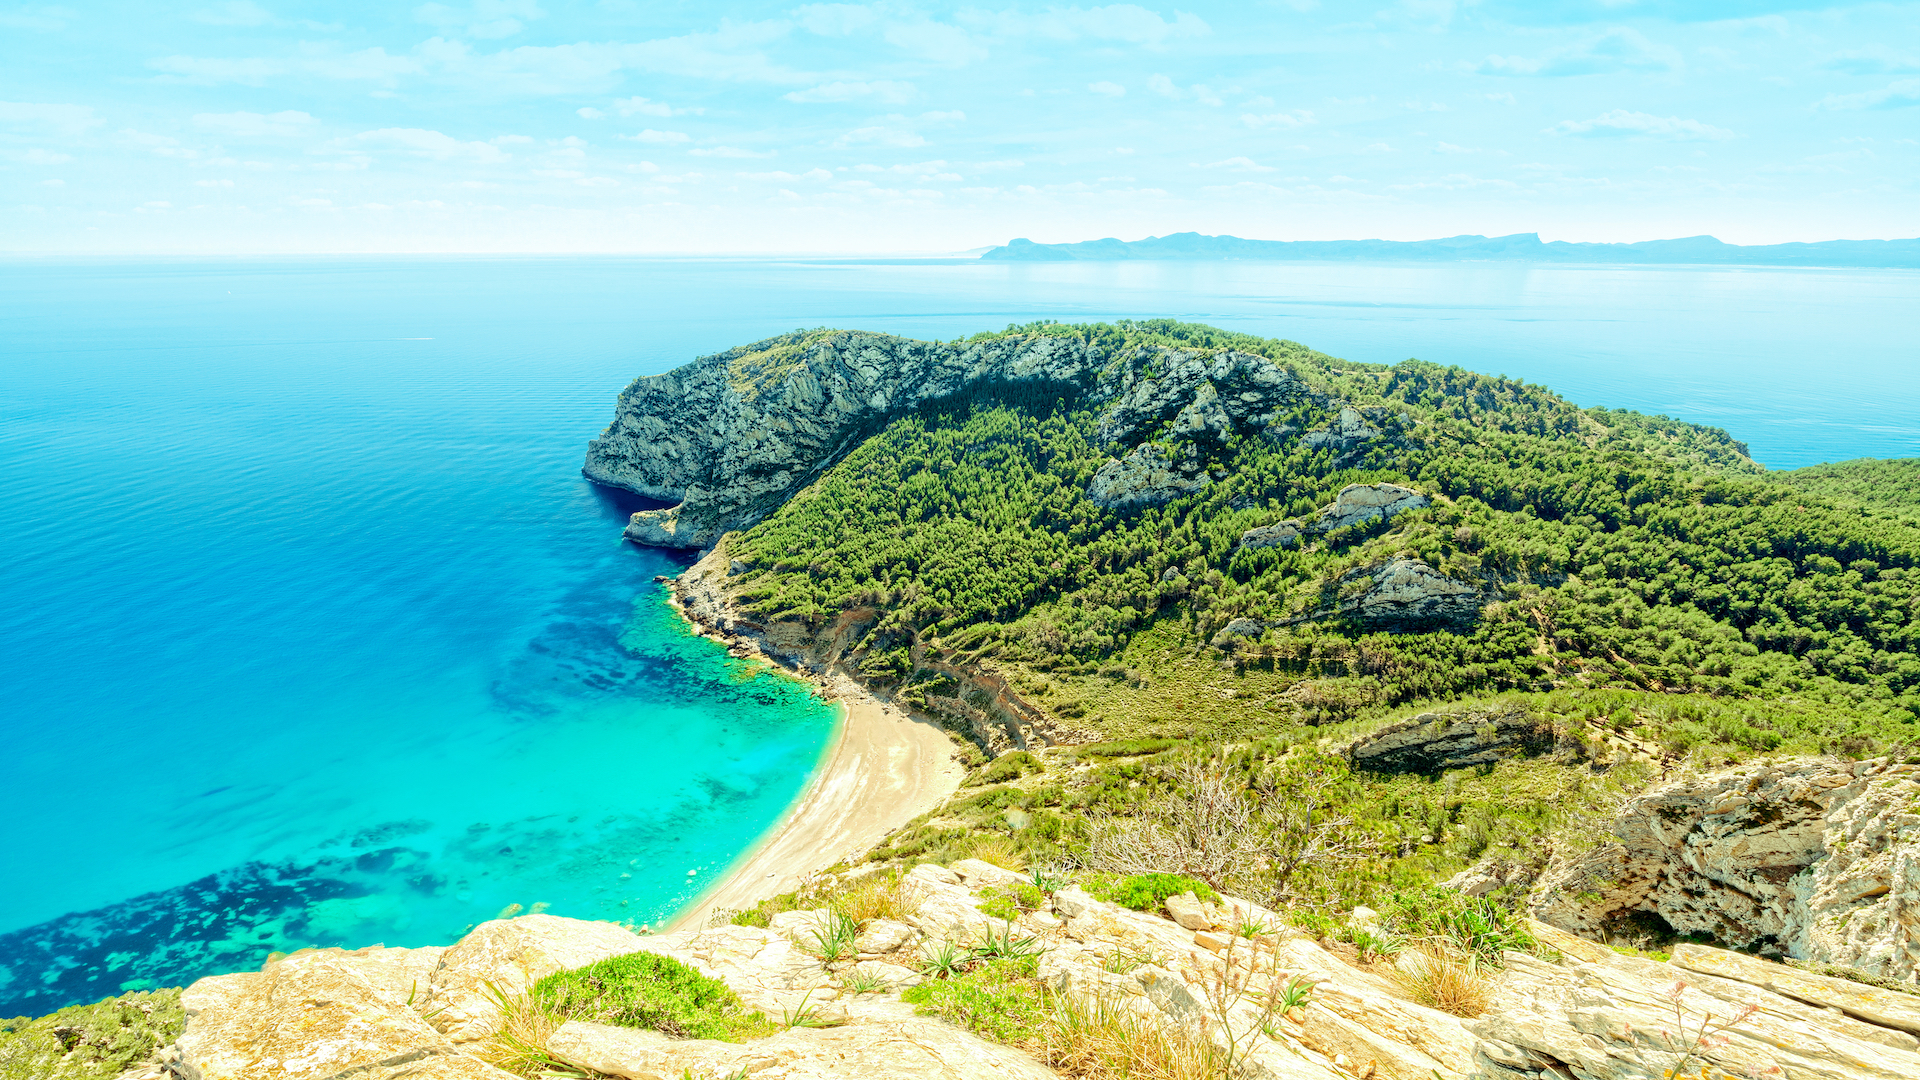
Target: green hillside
x=1616, y=550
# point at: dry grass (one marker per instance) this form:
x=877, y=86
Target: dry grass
x=520, y=1046
x=885, y=895
x=1446, y=979
x=1100, y=1038
x=999, y=850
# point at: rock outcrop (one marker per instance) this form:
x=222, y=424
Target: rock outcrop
x=1150, y=475
x=1435, y=742
x=1357, y=504
x=729, y=437
x=1583, y=1011
x=1814, y=859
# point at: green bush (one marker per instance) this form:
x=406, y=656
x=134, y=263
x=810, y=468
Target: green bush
x=997, y=1001
x=753, y=916
x=1319, y=924
x=1148, y=892
x=90, y=1042
x=642, y=990
x=1000, y=907
x=1008, y=767
x=1470, y=924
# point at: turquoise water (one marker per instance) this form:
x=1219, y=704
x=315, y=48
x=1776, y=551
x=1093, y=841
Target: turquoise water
x=314, y=635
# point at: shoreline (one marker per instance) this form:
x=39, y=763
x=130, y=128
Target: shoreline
x=883, y=769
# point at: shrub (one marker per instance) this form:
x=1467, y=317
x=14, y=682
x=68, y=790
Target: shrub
x=1317, y=923
x=1148, y=892
x=1000, y=907
x=753, y=916
x=885, y=895
x=107, y=1037
x=1001, y=851
x=1008, y=767
x=1100, y=1038
x=995, y=1000
x=642, y=990
x=1467, y=923
x=1451, y=980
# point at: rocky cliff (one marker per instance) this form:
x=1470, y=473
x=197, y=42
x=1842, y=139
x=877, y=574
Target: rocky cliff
x=1193, y=970
x=729, y=437
x=1814, y=859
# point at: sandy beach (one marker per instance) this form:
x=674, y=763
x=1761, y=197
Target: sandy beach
x=885, y=769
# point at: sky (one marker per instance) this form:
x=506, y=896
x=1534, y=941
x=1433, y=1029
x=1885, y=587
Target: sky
x=272, y=126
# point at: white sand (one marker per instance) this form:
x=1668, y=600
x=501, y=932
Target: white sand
x=884, y=770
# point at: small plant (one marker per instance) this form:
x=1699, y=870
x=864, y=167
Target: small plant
x=1373, y=944
x=995, y=1000
x=1021, y=951
x=1250, y=926
x=1319, y=924
x=645, y=990
x=1001, y=851
x=1000, y=907
x=1100, y=1038
x=1473, y=924
x=752, y=916
x=1706, y=1036
x=1294, y=995
x=1126, y=961
x=886, y=895
x=1046, y=881
x=834, y=940
x=520, y=1044
x=864, y=982
x=803, y=1015
x=946, y=961
x=1445, y=978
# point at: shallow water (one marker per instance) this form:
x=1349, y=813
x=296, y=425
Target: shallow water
x=314, y=635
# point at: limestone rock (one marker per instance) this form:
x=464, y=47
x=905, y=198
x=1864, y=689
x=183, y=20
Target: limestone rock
x=1816, y=859
x=1187, y=910
x=893, y=1043
x=1888, y=1008
x=1150, y=475
x=1434, y=742
x=1280, y=534
x=883, y=937
x=316, y=1015
x=1348, y=429
x=976, y=873
x=1358, y=504
x=1407, y=593
x=513, y=954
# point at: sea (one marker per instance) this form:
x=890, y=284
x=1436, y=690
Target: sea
x=312, y=634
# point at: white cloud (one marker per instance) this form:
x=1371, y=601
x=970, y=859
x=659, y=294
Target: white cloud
x=233, y=13
x=49, y=118
x=1894, y=95
x=213, y=183
x=38, y=18
x=1291, y=119
x=1618, y=49
x=589, y=113
x=1621, y=122
x=888, y=92
x=631, y=106
x=375, y=64
x=881, y=135
x=421, y=142
x=1128, y=23
x=662, y=138
x=1238, y=164
x=1165, y=87
x=37, y=156
x=482, y=19
x=787, y=177
x=951, y=116
x=1108, y=89
x=254, y=125
x=732, y=152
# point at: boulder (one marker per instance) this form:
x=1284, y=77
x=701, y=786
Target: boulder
x=1358, y=504
x=1407, y=593
x=1187, y=910
x=507, y=956
x=1280, y=534
x=1348, y=429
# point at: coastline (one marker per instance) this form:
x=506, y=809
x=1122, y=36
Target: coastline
x=883, y=769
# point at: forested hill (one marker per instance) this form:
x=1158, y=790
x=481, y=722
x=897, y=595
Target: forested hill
x=1164, y=505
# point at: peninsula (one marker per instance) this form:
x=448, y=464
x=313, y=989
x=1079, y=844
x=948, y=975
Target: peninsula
x=1518, y=247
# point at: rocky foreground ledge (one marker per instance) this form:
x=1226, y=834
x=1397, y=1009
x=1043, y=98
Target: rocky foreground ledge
x=1569, y=1009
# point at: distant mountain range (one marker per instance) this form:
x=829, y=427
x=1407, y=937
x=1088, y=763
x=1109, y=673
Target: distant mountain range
x=1520, y=247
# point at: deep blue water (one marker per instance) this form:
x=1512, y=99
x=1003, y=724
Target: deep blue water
x=310, y=632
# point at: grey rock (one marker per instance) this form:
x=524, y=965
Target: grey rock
x=1281, y=534
x=1818, y=859
x=1243, y=627
x=1150, y=475
x=1434, y=742
x=1347, y=430
x=1358, y=504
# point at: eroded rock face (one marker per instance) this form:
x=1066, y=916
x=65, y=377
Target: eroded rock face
x=1817, y=859
x=1434, y=742
x=1280, y=534
x=1150, y=475
x=1407, y=593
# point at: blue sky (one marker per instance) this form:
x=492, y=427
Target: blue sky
x=532, y=125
